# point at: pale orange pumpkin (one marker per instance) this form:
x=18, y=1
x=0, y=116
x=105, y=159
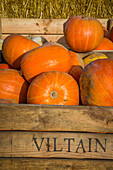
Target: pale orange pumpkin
x=55, y=88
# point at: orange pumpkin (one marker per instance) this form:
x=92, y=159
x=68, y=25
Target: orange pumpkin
x=13, y=86
x=76, y=59
x=96, y=83
x=14, y=46
x=75, y=72
x=83, y=33
x=53, y=87
x=4, y=66
x=106, y=44
x=49, y=57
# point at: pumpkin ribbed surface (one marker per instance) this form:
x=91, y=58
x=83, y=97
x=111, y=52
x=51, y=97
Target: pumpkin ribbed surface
x=13, y=86
x=14, y=46
x=83, y=33
x=45, y=58
x=53, y=87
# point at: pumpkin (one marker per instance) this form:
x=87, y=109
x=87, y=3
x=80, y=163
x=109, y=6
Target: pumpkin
x=106, y=32
x=106, y=44
x=75, y=72
x=96, y=83
x=88, y=59
x=76, y=59
x=39, y=39
x=14, y=46
x=13, y=86
x=53, y=88
x=4, y=66
x=6, y=101
x=48, y=57
x=77, y=65
x=83, y=33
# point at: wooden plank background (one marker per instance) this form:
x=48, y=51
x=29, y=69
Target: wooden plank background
x=56, y=118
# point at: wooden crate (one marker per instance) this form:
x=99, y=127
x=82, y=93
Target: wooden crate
x=50, y=137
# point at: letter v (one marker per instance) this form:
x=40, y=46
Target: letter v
x=38, y=147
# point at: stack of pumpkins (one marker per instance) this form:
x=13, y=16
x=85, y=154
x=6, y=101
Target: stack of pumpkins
x=51, y=74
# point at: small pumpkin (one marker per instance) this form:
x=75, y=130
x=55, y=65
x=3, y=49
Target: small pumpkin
x=77, y=65
x=13, y=86
x=106, y=44
x=4, y=66
x=96, y=83
x=13, y=48
x=83, y=33
x=48, y=57
x=88, y=59
x=55, y=88
x=76, y=59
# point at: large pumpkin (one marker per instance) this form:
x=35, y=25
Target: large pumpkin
x=106, y=44
x=14, y=46
x=13, y=86
x=96, y=83
x=53, y=87
x=83, y=33
x=49, y=57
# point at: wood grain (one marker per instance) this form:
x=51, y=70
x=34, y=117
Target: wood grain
x=54, y=164
x=56, y=118
x=36, y=26
x=56, y=145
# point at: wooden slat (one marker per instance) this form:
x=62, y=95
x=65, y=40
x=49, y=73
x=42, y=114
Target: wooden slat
x=56, y=145
x=56, y=118
x=32, y=26
x=108, y=53
x=36, y=26
x=54, y=164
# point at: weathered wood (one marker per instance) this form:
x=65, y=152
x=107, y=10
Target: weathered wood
x=108, y=53
x=32, y=26
x=54, y=164
x=56, y=118
x=56, y=145
x=36, y=26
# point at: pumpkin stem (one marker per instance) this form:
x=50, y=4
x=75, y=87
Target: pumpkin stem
x=53, y=94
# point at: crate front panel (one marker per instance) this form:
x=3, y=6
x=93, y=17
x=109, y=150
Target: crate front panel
x=56, y=145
